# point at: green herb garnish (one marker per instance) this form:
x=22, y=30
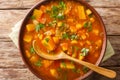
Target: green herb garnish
x=39, y=26
x=53, y=23
x=32, y=50
x=85, y=69
x=75, y=70
x=90, y=15
x=38, y=63
x=60, y=16
x=64, y=64
x=88, y=25
x=65, y=36
x=74, y=37
x=55, y=11
x=32, y=17
x=47, y=39
x=84, y=52
x=62, y=5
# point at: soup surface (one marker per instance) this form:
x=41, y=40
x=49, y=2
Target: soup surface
x=62, y=25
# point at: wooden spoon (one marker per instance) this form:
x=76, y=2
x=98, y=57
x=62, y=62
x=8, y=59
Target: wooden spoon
x=62, y=55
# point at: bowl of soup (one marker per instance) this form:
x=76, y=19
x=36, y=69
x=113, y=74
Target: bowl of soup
x=72, y=26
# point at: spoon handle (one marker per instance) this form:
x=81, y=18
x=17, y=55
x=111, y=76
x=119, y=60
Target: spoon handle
x=106, y=72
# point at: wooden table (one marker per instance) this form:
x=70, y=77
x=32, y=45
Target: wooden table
x=11, y=11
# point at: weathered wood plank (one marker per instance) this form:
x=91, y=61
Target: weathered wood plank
x=110, y=17
x=4, y=4
x=8, y=18
x=16, y=74
x=10, y=56
x=25, y=74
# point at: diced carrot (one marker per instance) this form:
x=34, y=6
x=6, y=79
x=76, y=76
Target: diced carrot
x=74, y=54
x=69, y=20
x=40, y=36
x=43, y=8
x=59, y=24
x=42, y=20
x=30, y=27
x=70, y=66
x=83, y=36
x=78, y=26
x=92, y=20
x=73, y=29
x=34, y=58
x=27, y=38
x=88, y=42
x=56, y=39
x=28, y=54
x=48, y=43
x=81, y=12
x=98, y=43
x=64, y=46
x=74, y=42
x=47, y=63
x=81, y=57
x=95, y=31
x=37, y=13
x=54, y=73
x=88, y=11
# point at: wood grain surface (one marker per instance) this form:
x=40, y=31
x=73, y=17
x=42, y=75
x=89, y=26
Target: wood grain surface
x=11, y=11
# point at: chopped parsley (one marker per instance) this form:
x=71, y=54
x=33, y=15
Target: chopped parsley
x=74, y=37
x=39, y=26
x=85, y=69
x=65, y=36
x=62, y=5
x=84, y=52
x=38, y=63
x=47, y=39
x=88, y=25
x=90, y=15
x=56, y=12
x=33, y=17
x=63, y=64
x=32, y=51
x=75, y=70
x=60, y=16
x=53, y=23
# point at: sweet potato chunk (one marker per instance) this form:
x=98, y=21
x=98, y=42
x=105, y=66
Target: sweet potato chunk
x=30, y=27
x=54, y=73
x=27, y=38
x=81, y=12
x=64, y=46
x=37, y=13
